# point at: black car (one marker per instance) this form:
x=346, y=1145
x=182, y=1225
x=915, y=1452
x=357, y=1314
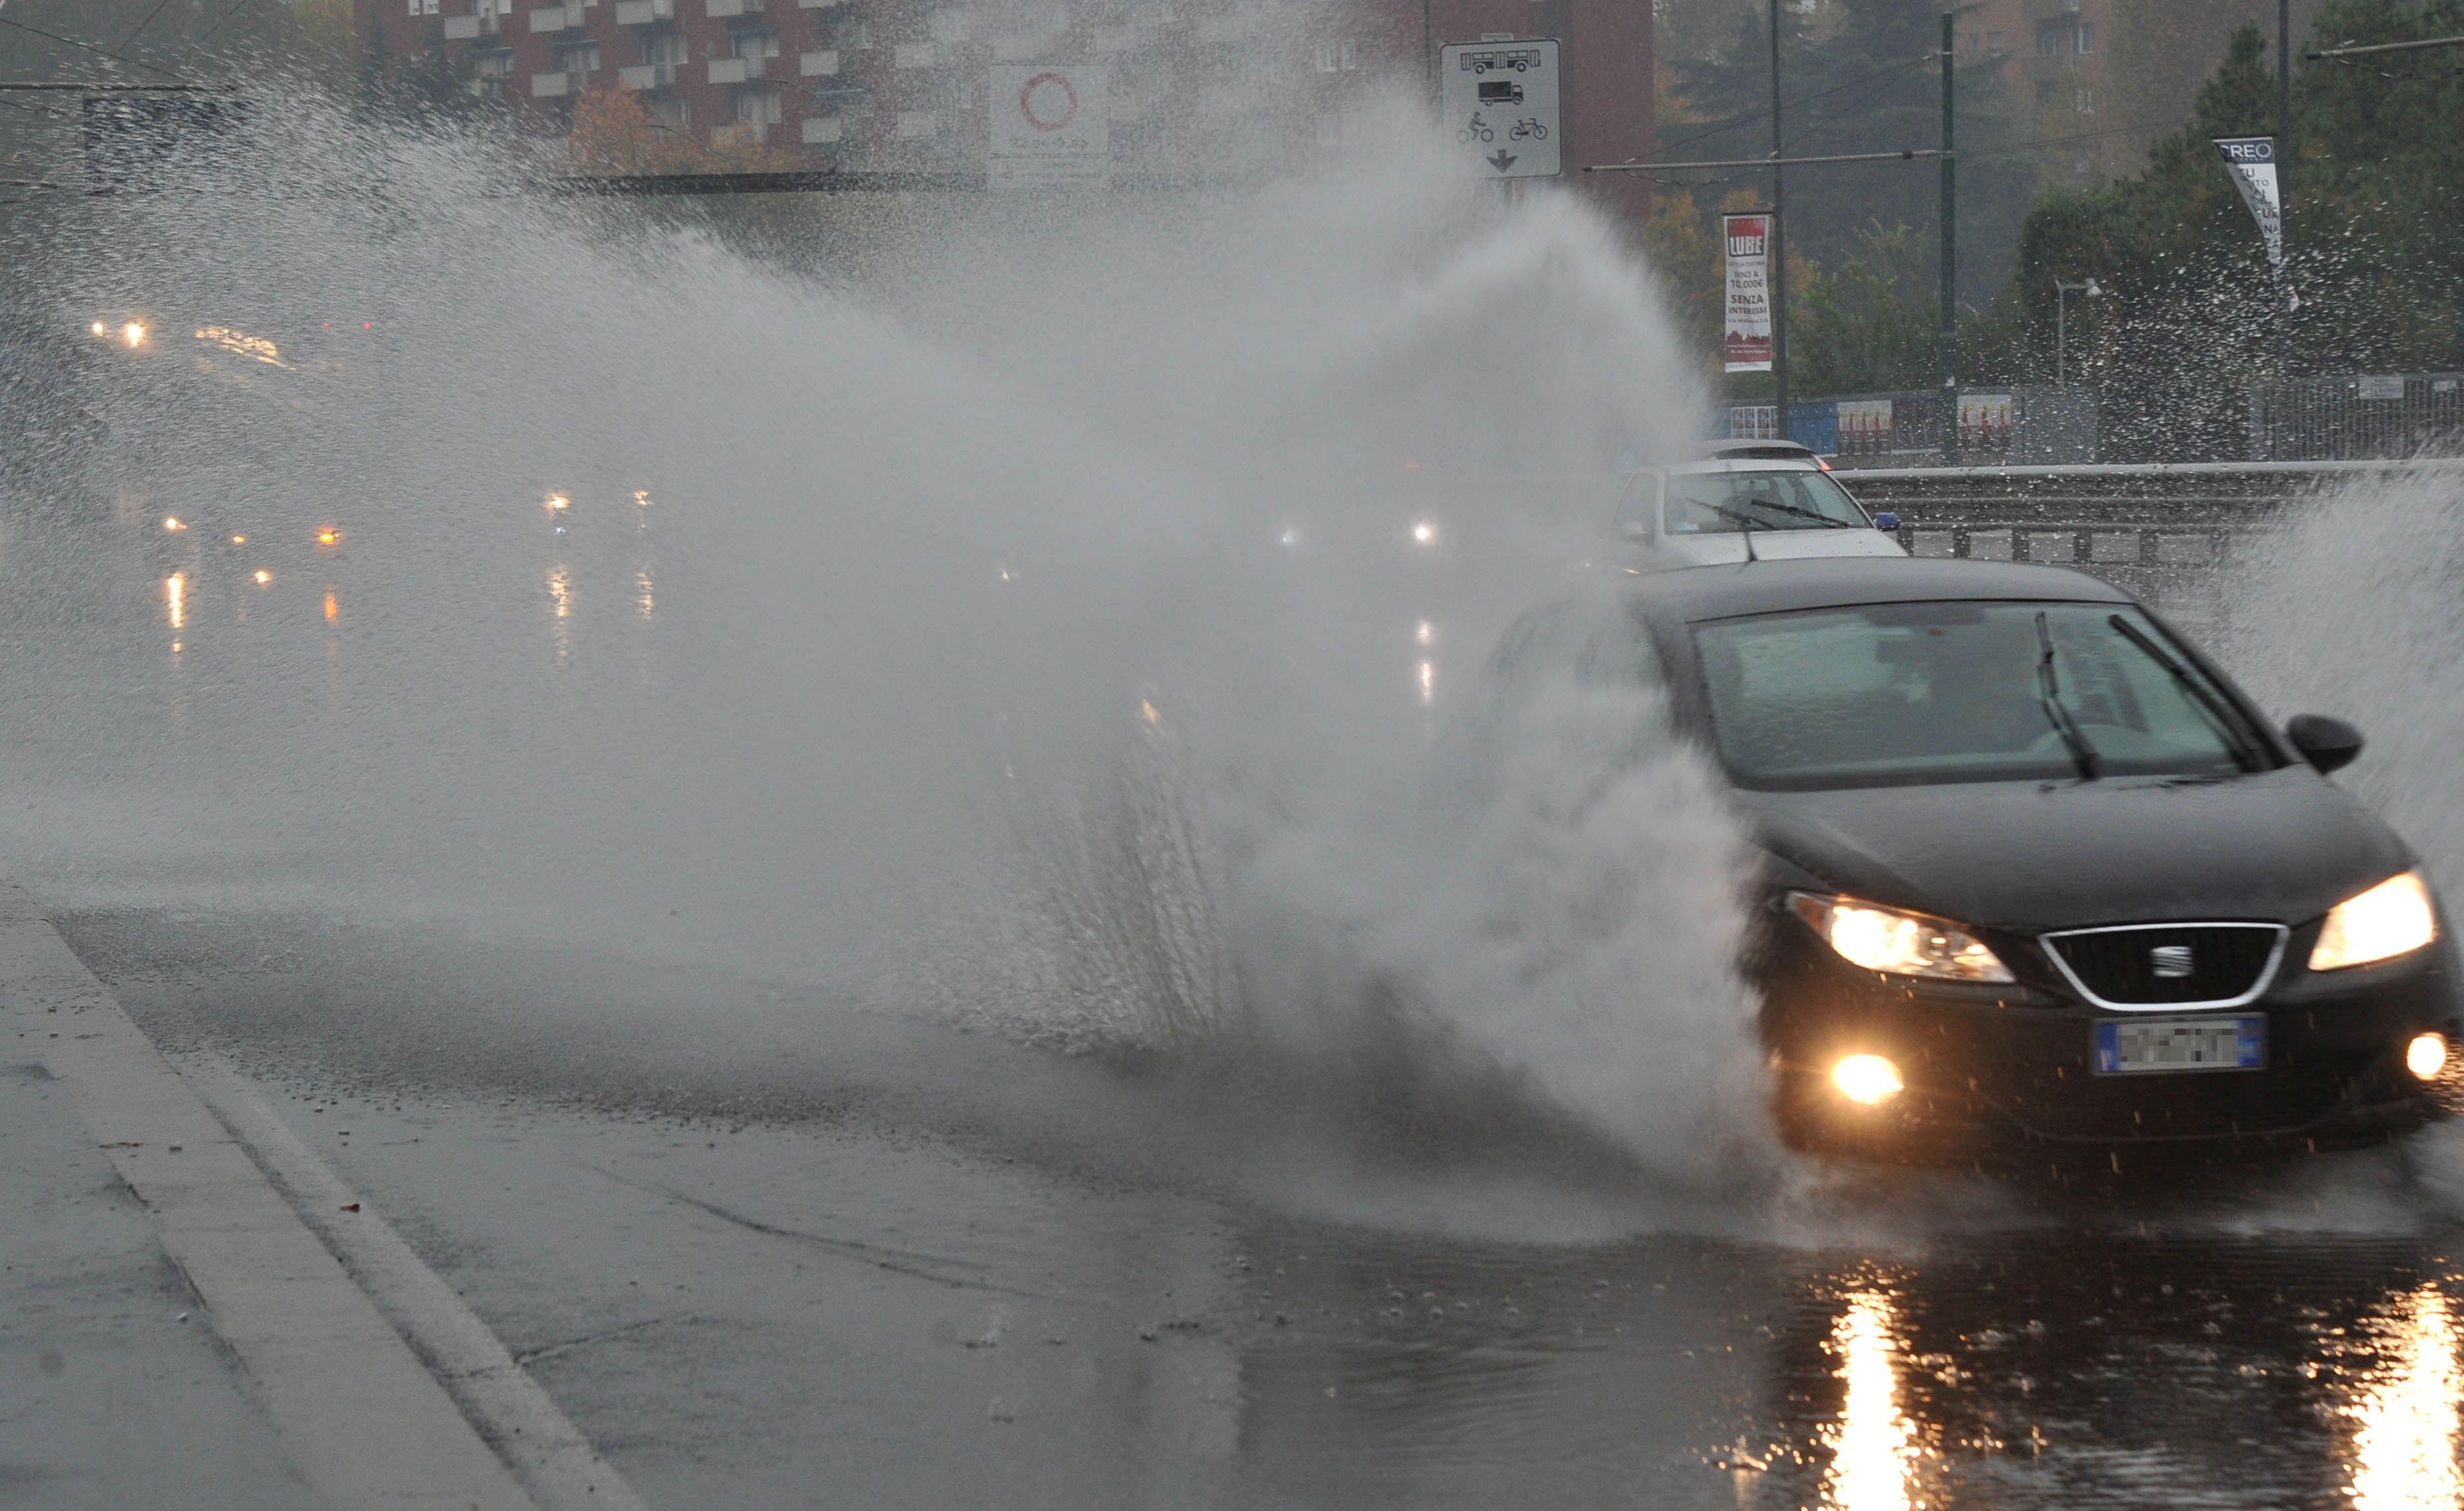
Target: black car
x=2034, y=871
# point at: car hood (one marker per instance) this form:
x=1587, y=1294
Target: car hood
x=1729, y=547
x=2285, y=846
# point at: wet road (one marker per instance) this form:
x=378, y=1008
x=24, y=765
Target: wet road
x=768, y=1252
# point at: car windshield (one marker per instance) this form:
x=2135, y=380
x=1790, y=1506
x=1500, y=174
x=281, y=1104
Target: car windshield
x=1962, y=691
x=1708, y=503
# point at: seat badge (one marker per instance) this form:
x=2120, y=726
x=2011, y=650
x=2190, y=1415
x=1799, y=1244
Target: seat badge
x=2172, y=962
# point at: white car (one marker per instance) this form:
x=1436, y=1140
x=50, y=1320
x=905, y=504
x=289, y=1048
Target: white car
x=1746, y=500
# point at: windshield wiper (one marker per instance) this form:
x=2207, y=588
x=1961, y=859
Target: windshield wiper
x=2245, y=749
x=2049, y=695
x=1801, y=513
x=1747, y=525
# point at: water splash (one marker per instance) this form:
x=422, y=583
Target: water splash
x=1049, y=618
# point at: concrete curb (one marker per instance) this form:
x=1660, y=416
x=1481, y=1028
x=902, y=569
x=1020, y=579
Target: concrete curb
x=365, y=1423
x=532, y=1434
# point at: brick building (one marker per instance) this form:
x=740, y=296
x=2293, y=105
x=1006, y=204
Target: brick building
x=2058, y=48
x=900, y=85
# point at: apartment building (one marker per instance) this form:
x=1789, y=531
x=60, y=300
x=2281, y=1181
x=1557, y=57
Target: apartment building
x=1196, y=90
x=2056, y=49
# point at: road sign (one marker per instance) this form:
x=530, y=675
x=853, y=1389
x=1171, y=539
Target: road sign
x=1050, y=127
x=1499, y=106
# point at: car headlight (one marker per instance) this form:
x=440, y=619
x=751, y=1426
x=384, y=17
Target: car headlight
x=1902, y=944
x=2395, y=917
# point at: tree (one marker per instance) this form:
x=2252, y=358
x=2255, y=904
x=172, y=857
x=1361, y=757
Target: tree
x=1859, y=76
x=2375, y=231
x=612, y=132
x=1870, y=325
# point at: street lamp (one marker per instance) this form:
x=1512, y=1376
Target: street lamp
x=2061, y=334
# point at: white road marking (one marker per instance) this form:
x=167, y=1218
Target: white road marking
x=557, y=1464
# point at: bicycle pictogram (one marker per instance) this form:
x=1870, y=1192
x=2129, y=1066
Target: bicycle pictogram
x=1528, y=127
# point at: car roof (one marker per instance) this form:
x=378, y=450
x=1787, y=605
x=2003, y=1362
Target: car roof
x=1772, y=587
x=1759, y=450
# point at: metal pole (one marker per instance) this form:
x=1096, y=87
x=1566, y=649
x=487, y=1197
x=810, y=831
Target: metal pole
x=1778, y=243
x=2283, y=180
x=1946, y=351
x=2061, y=332
x=2283, y=86
x=1429, y=48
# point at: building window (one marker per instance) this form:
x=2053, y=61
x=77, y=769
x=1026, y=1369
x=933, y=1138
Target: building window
x=577, y=57
x=1993, y=46
x=673, y=113
x=666, y=47
x=1325, y=57
x=493, y=63
x=1351, y=57
x=2053, y=38
x=757, y=107
x=423, y=7
x=2085, y=41
x=755, y=44
x=2045, y=88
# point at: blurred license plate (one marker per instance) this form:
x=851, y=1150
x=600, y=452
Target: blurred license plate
x=2181, y=1044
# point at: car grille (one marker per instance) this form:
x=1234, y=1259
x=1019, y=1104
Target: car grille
x=2170, y=965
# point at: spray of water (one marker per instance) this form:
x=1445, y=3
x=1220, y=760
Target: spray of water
x=1047, y=617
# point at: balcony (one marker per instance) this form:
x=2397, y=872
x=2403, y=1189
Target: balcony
x=913, y=54
x=916, y=125
x=820, y=131
x=823, y=64
x=649, y=76
x=461, y=28
x=736, y=70
x=551, y=86
x=720, y=9
x=740, y=134
x=816, y=5
x=642, y=12
x=556, y=18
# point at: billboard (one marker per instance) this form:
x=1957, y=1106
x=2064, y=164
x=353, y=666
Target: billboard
x=1748, y=342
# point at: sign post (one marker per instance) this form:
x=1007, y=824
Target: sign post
x=1499, y=105
x=2252, y=162
x=1051, y=127
x=1746, y=344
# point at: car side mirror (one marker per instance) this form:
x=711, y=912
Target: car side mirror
x=2325, y=743
x=1886, y=520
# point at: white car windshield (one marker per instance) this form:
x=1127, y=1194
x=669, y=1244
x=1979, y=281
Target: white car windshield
x=1962, y=691
x=1711, y=503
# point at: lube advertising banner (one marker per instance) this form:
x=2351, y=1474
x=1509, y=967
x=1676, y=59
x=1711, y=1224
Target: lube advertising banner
x=1747, y=344
x=2251, y=161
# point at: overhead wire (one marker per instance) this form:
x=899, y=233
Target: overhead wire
x=89, y=47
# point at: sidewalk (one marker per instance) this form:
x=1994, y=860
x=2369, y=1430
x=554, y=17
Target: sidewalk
x=175, y=1336
x=114, y=1390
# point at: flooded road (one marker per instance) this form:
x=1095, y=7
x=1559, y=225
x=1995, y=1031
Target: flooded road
x=765, y=1254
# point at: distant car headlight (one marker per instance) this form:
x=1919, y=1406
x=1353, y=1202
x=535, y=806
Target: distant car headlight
x=2395, y=917
x=1902, y=944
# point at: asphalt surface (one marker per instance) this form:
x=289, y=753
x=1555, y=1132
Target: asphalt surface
x=771, y=1252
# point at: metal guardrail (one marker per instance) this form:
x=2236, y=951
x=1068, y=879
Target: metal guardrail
x=2161, y=530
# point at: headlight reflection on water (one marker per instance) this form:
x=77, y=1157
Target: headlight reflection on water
x=2406, y=1415
x=1873, y=1445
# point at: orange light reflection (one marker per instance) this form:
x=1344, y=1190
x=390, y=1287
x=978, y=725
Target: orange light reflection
x=2405, y=1422
x=1874, y=1444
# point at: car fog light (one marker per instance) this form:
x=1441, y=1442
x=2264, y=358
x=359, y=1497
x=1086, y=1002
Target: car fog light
x=1867, y=1080
x=2426, y=1056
